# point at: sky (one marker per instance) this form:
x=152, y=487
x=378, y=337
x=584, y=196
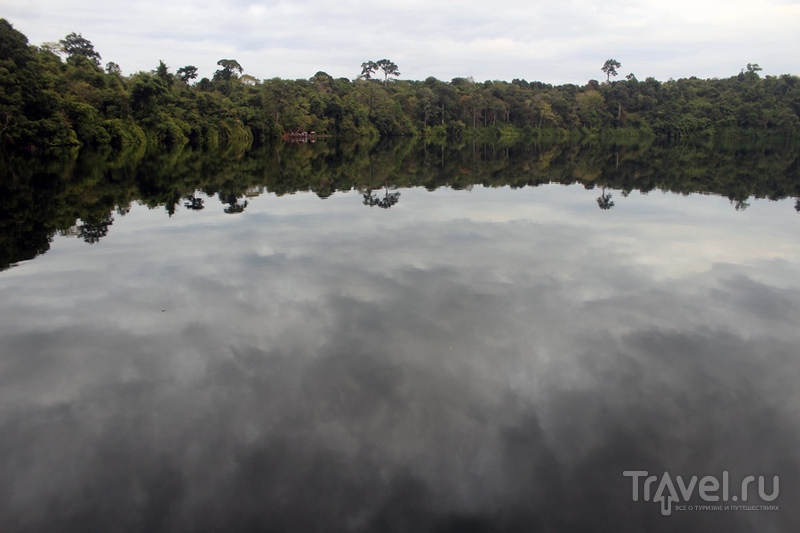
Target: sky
x=555, y=41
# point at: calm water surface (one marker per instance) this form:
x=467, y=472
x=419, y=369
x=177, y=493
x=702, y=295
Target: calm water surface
x=489, y=359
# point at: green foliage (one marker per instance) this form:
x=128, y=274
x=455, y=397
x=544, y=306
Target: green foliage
x=610, y=68
x=113, y=68
x=168, y=131
x=75, y=46
x=148, y=93
x=88, y=122
x=388, y=68
x=368, y=68
x=121, y=132
x=45, y=101
x=189, y=72
x=224, y=77
x=229, y=69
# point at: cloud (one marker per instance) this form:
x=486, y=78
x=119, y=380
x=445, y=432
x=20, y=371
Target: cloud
x=555, y=42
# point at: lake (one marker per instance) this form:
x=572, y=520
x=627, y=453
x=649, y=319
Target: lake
x=401, y=337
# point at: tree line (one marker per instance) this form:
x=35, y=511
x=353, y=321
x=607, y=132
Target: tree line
x=61, y=94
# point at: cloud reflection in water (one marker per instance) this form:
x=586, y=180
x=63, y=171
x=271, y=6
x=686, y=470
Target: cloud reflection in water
x=485, y=361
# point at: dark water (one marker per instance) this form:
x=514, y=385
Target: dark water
x=474, y=356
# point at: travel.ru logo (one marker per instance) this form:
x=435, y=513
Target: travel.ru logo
x=707, y=487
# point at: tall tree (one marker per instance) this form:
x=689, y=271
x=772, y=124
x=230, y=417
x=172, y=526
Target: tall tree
x=388, y=68
x=368, y=68
x=224, y=77
x=75, y=45
x=163, y=72
x=189, y=72
x=752, y=71
x=228, y=70
x=610, y=68
x=113, y=68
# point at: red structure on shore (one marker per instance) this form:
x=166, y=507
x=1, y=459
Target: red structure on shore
x=300, y=136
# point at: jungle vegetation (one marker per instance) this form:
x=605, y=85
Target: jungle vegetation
x=60, y=94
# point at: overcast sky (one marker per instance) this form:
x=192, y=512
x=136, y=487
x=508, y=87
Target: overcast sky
x=556, y=41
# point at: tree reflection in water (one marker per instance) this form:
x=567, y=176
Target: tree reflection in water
x=92, y=231
x=604, y=200
x=390, y=198
x=36, y=203
x=234, y=205
x=193, y=203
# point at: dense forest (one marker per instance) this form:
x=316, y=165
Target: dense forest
x=59, y=94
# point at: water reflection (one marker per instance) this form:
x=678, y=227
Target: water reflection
x=91, y=231
x=194, y=203
x=490, y=361
x=44, y=196
x=604, y=201
x=389, y=199
x=233, y=203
